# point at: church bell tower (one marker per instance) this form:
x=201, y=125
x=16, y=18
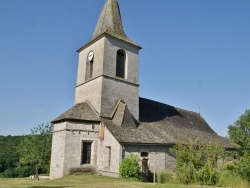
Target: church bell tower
x=108, y=66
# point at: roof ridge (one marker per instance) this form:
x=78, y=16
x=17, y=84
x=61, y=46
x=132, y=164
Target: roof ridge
x=79, y=112
x=116, y=108
x=197, y=113
x=94, y=110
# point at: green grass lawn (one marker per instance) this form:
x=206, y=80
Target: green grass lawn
x=88, y=181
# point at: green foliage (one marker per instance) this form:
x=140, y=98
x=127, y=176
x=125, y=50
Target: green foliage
x=10, y=173
x=186, y=173
x=19, y=153
x=231, y=179
x=241, y=167
x=129, y=167
x=197, y=161
x=34, y=150
x=24, y=171
x=164, y=177
x=8, y=154
x=208, y=175
x=239, y=132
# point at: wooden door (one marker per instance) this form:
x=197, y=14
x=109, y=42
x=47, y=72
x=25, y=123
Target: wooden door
x=145, y=170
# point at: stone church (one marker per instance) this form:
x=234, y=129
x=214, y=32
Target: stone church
x=109, y=120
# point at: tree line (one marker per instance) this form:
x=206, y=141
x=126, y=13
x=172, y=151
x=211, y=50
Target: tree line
x=21, y=156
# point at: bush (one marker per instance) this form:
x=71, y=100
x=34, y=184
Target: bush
x=24, y=171
x=196, y=162
x=129, y=167
x=82, y=170
x=231, y=179
x=207, y=175
x=186, y=173
x=9, y=173
x=241, y=167
x=164, y=177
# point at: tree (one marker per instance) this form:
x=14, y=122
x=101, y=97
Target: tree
x=239, y=132
x=197, y=161
x=8, y=154
x=34, y=150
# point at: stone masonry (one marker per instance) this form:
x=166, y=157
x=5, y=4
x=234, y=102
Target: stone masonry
x=67, y=146
x=104, y=89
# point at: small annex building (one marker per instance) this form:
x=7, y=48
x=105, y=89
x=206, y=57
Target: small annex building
x=109, y=120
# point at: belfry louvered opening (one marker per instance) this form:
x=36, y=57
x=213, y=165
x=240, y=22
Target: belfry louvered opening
x=120, y=63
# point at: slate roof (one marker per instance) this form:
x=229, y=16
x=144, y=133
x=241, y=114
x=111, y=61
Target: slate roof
x=166, y=125
x=123, y=117
x=110, y=23
x=158, y=124
x=79, y=112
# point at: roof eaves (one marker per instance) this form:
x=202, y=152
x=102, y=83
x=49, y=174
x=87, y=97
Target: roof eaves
x=106, y=33
x=75, y=120
x=147, y=144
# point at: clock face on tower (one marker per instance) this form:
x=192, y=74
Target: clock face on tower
x=91, y=56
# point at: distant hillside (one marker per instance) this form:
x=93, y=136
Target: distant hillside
x=8, y=155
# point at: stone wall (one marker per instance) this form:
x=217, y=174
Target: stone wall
x=113, y=91
x=98, y=49
x=159, y=157
x=67, y=146
x=111, y=47
x=104, y=89
x=57, y=152
x=90, y=91
x=104, y=167
x=106, y=154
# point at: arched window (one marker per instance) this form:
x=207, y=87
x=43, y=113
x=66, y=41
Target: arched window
x=89, y=65
x=91, y=68
x=120, y=64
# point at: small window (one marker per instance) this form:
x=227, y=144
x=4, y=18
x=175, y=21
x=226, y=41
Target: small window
x=120, y=64
x=89, y=65
x=107, y=156
x=91, y=69
x=144, y=154
x=86, y=152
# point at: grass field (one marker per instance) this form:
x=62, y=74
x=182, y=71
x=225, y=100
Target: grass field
x=88, y=181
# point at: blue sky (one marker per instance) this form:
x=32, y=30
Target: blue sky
x=195, y=56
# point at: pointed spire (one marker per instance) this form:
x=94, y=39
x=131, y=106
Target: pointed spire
x=110, y=22
x=110, y=19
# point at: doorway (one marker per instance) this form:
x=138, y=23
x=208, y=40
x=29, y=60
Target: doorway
x=145, y=170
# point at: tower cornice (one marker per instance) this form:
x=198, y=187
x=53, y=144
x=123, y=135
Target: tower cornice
x=110, y=78
x=106, y=34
